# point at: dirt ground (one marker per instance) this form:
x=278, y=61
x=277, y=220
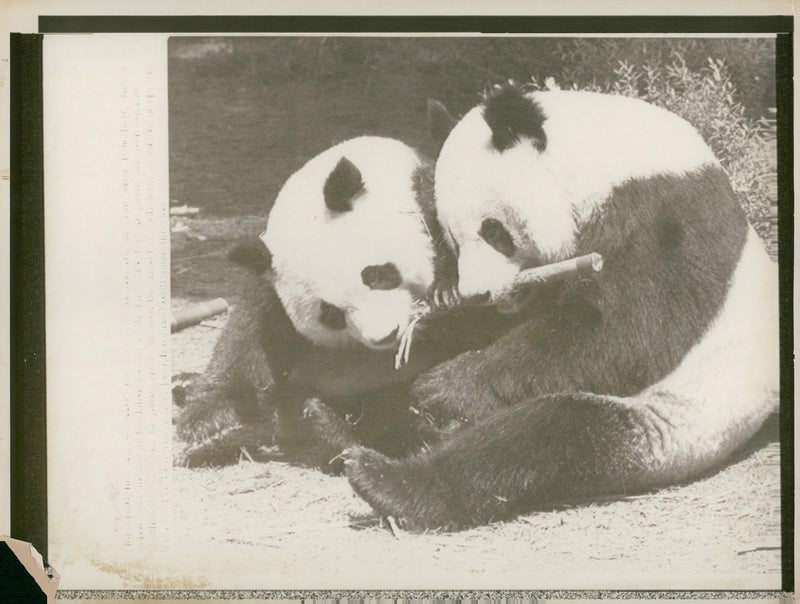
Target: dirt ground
x=287, y=527
x=290, y=526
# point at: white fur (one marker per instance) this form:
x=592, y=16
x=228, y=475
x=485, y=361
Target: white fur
x=319, y=255
x=482, y=269
x=594, y=142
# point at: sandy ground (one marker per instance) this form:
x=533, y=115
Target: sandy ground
x=284, y=526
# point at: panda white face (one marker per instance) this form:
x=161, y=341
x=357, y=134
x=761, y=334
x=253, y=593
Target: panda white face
x=504, y=212
x=520, y=175
x=351, y=255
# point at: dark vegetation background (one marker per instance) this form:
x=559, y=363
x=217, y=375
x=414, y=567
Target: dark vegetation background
x=245, y=112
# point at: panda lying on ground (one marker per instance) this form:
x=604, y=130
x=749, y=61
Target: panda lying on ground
x=350, y=249
x=649, y=374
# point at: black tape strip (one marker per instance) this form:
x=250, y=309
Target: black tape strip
x=398, y=24
x=785, y=133
x=28, y=401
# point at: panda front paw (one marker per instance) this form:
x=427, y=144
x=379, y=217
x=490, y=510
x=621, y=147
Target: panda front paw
x=330, y=434
x=208, y=425
x=444, y=295
x=444, y=291
x=370, y=473
x=431, y=428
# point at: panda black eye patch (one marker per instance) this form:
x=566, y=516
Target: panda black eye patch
x=332, y=316
x=495, y=234
x=381, y=276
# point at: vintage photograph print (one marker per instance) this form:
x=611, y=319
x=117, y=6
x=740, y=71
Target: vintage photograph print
x=475, y=312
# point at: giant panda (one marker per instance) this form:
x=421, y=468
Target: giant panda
x=350, y=251
x=650, y=373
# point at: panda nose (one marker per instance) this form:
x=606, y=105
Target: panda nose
x=390, y=338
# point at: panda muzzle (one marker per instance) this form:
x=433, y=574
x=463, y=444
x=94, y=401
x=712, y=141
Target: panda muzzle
x=388, y=339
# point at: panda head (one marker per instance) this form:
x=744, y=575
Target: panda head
x=484, y=176
x=520, y=174
x=349, y=254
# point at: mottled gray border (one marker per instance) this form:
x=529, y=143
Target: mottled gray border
x=219, y=594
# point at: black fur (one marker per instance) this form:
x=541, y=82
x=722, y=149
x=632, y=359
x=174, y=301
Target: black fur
x=259, y=377
x=511, y=115
x=248, y=367
x=444, y=291
x=670, y=245
x=251, y=254
x=262, y=373
x=342, y=185
x=481, y=473
x=332, y=317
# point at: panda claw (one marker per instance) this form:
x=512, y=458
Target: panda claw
x=454, y=297
x=445, y=297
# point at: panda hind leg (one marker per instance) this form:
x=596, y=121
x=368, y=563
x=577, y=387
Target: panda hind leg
x=309, y=433
x=250, y=441
x=214, y=421
x=565, y=447
x=206, y=410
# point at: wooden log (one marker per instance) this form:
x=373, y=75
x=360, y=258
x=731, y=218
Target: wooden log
x=197, y=313
x=580, y=266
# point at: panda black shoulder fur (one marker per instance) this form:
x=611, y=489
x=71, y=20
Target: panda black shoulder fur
x=648, y=374
x=351, y=247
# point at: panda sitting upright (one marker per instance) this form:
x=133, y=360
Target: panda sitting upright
x=648, y=374
x=350, y=249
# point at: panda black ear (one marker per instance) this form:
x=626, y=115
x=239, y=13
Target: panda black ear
x=440, y=123
x=510, y=115
x=342, y=184
x=252, y=255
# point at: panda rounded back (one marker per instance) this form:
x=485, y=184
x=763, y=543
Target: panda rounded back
x=545, y=192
